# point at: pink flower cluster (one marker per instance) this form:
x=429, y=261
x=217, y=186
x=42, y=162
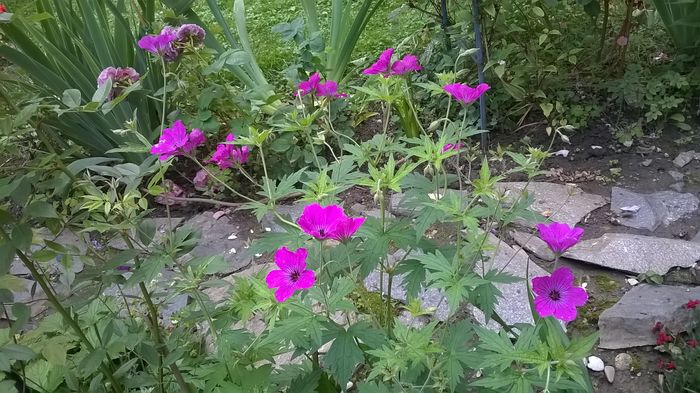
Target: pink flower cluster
x=384, y=66
x=328, y=222
x=313, y=85
x=322, y=223
x=175, y=141
x=227, y=155
x=121, y=77
x=465, y=93
x=452, y=146
x=556, y=294
x=170, y=42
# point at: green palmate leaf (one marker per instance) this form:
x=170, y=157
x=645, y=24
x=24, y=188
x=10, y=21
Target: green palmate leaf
x=459, y=353
x=344, y=354
x=41, y=209
x=22, y=236
x=55, y=349
x=148, y=270
x=21, y=314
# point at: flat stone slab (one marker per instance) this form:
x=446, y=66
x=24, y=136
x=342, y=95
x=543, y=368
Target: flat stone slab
x=630, y=321
x=513, y=306
x=659, y=208
x=565, y=203
x=220, y=237
x=558, y=202
x=162, y=224
x=294, y=211
x=685, y=157
x=533, y=244
x=636, y=253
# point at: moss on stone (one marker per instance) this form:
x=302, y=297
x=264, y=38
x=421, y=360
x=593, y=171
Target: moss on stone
x=605, y=283
x=373, y=304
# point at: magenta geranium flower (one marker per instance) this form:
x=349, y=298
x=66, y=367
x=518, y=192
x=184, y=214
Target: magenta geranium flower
x=346, y=227
x=190, y=33
x=121, y=77
x=309, y=86
x=464, y=93
x=559, y=236
x=228, y=155
x=557, y=296
x=314, y=85
x=452, y=146
x=382, y=65
x=161, y=44
x=175, y=141
x=292, y=274
x=321, y=222
x=329, y=89
x=409, y=63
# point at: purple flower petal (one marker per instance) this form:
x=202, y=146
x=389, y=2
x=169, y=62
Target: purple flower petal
x=557, y=296
x=409, y=63
x=382, y=65
x=320, y=222
x=464, y=93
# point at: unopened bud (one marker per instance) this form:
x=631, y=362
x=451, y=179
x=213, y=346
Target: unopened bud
x=378, y=197
x=434, y=125
x=428, y=171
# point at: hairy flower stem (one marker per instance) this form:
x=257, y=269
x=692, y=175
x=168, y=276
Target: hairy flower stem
x=313, y=150
x=165, y=95
x=389, y=270
x=385, y=128
x=269, y=191
x=67, y=317
x=221, y=181
x=155, y=327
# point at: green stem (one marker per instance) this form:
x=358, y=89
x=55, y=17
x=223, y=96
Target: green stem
x=269, y=191
x=155, y=327
x=165, y=95
x=385, y=128
x=221, y=181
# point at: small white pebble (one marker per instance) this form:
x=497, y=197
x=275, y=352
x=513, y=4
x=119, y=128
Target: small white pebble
x=232, y=251
x=233, y=237
x=595, y=363
x=632, y=281
x=268, y=229
x=251, y=231
x=584, y=285
x=258, y=255
x=246, y=246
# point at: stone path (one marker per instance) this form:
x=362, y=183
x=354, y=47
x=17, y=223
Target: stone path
x=636, y=253
x=563, y=203
x=629, y=323
x=221, y=236
x=649, y=211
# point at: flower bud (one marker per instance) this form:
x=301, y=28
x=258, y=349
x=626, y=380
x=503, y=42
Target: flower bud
x=378, y=197
x=428, y=171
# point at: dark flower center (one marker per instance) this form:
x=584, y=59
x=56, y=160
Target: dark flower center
x=322, y=232
x=555, y=295
x=295, y=276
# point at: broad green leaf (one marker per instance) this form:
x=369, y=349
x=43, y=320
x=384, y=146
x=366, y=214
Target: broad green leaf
x=148, y=270
x=41, y=209
x=71, y=98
